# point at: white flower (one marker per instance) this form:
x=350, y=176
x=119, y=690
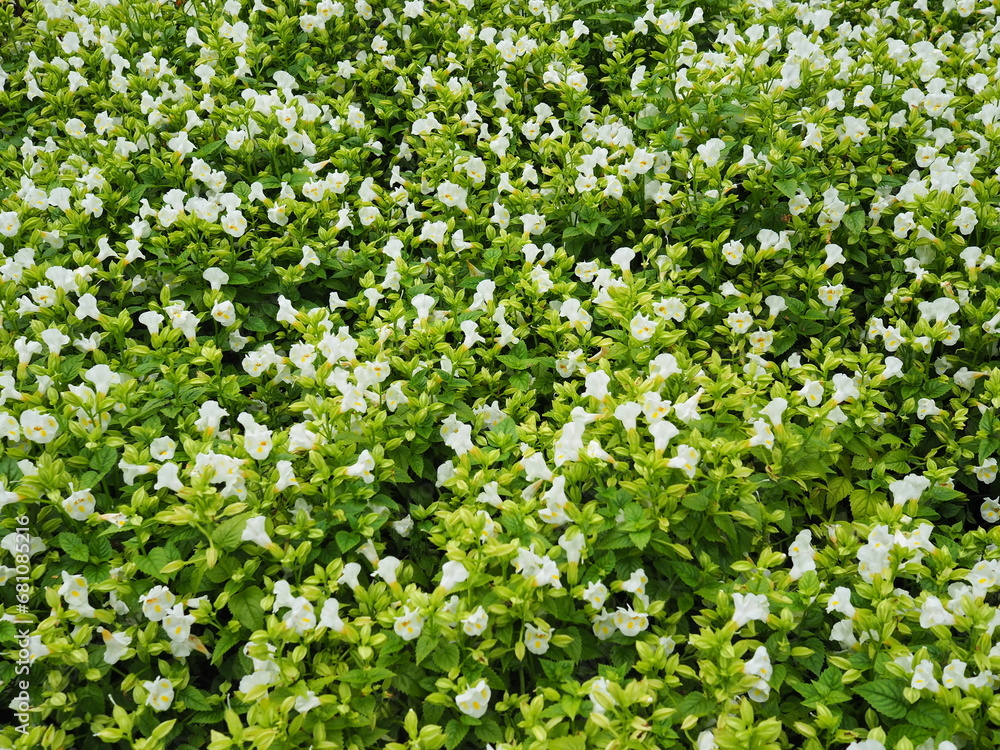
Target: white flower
x=9, y=223
x=409, y=624
x=599, y=688
x=452, y=574
x=79, y=505
x=75, y=591
x=629, y=622
x=750, y=607
x=329, y=617
x=363, y=467
x=596, y=594
x=38, y=427
x=161, y=693
x=157, y=602
x=475, y=701
x=932, y=613
x=475, y=624
x=840, y=601
x=686, y=460
x=643, y=328
x=711, y=151
x=537, y=639
x=116, y=644
x=923, y=676
x=304, y=703
x=254, y=532
x=910, y=487
x=178, y=625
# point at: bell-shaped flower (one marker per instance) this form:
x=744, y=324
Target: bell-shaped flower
x=663, y=432
x=629, y=622
x=802, y=554
x=301, y=617
x=79, y=505
x=177, y=624
x=750, y=607
x=452, y=574
x=38, y=427
x=910, y=487
x=663, y=366
x=686, y=460
x=636, y=584
x=475, y=623
x=286, y=477
x=474, y=701
x=843, y=633
x=573, y=545
x=760, y=664
x=102, y=378
x=762, y=434
x=162, y=449
x=254, y=532
x=349, y=575
x=167, y=478
x=115, y=645
x=595, y=594
x=932, y=612
x=409, y=624
x=157, y=602
x=363, y=467
x=161, y=693
x=840, y=601
x=210, y=415
x=75, y=591
x=386, y=569
x=687, y=411
x=923, y=676
x=954, y=675
x=536, y=640
x=329, y=616
x=774, y=410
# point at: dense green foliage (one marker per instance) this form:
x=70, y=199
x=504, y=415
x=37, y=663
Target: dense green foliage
x=464, y=374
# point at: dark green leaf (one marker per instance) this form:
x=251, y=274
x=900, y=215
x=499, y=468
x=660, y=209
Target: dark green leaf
x=454, y=733
x=886, y=697
x=74, y=546
x=246, y=607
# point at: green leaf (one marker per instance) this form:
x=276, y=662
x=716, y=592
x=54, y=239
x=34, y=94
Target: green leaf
x=100, y=547
x=227, y=639
x=153, y=563
x=426, y=643
x=640, y=538
x=855, y=223
x=864, y=503
x=567, y=743
x=886, y=697
x=8, y=633
x=194, y=699
x=489, y=732
x=454, y=733
x=347, y=540
x=104, y=459
x=696, y=501
x=366, y=676
x=788, y=188
x=246, y=607
x=228, y=533
x=929, y=714
x=446, y=657
x=74, y=546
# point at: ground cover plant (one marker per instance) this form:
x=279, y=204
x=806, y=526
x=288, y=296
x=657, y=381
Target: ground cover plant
x=518, y=375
